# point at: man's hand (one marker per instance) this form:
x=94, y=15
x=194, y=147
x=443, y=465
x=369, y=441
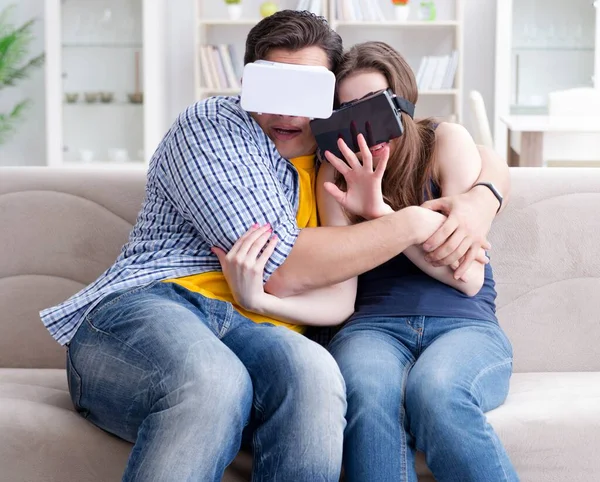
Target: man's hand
x=461, y=237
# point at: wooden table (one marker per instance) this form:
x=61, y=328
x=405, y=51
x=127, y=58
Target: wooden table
x=533, y=128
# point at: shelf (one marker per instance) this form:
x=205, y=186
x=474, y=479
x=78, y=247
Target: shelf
x=134, y=165
x=409, y=24
x=440, y=92
x=226, y=21
x=521, y=109
x=92, y=45
x=206, y=91
x=554, y=49
x=104, y=104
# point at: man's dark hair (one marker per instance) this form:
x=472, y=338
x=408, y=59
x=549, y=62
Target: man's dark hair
x=293, y=30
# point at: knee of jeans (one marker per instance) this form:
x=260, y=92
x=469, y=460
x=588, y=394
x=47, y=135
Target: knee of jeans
x=435, y=392
x=212, y=384
x=369, y=384
x=314, y=378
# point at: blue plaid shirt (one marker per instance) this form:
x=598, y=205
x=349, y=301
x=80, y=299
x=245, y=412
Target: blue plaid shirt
x=214, y=175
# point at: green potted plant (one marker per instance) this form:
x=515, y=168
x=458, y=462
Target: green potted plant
x=14, y=66
x=234, y=9
x=401, y=10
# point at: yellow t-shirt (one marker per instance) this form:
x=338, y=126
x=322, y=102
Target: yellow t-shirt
x=213, y=284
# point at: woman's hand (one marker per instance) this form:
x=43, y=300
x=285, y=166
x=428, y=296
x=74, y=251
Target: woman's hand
x=363, y=195
x=244, y=265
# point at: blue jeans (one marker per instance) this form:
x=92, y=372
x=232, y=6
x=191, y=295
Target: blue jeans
x=423, y=383
x=180, y=376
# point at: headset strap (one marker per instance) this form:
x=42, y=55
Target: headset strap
x=405, y=106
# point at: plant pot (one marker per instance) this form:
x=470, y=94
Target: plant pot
x=235, y=11
x=401, y=12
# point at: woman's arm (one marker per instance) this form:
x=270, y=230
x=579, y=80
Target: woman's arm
x=243, y=269
x=469, y=284
x=457, y=166
x=363, y=197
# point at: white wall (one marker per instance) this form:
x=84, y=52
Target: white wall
x=28, y=146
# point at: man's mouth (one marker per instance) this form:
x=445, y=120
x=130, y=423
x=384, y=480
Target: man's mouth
x=285, y=133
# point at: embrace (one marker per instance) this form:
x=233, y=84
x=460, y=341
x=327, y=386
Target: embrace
x=201, y=339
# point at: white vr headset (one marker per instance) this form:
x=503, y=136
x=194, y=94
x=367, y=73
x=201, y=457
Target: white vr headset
x=288, y=89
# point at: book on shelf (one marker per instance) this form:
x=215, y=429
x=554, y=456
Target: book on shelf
x=437, y=72
x=218, y=68
x=358, y=11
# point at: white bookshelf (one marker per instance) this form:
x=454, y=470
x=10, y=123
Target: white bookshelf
x=431, y=38
x=408, y=24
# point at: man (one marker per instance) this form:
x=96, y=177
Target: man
x=157, y=354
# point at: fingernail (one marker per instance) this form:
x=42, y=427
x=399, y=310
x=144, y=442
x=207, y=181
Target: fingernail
x=274, y=237
x=426, y=247
x=268, y=225
x=254, y=226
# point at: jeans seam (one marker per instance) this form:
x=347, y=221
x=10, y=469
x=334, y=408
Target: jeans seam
x=227, y=321
x=506, y=361
x=79, y=393
x=485, y=371
x=256, y=446
x=404, y=461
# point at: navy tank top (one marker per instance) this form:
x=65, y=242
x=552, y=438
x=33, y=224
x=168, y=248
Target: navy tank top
x=400, y=288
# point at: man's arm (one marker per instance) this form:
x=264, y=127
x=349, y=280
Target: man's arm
x=457, y=164
x=329, y=255
x=470, y=215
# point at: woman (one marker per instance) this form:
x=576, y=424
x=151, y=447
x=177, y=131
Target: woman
x=423, y=355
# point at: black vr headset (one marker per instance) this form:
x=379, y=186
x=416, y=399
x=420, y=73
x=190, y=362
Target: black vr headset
x=376, y=116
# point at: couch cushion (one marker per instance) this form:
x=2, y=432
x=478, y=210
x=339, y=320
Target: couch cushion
x=548, y=421
x=43, y=438
x=550, y=425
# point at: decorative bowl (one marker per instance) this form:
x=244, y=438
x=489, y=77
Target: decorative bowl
x=136, y=97
x=71, y=97
x=106, y=97
x=91, y=97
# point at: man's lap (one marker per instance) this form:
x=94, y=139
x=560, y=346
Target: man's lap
x=164, y=334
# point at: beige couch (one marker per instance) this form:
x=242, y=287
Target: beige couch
x=60, y=229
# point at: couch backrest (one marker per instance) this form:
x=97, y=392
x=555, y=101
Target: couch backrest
x=545, y=257
x=60, y=229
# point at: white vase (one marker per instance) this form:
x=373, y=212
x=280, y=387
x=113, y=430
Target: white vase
x=235, y=11
x=402, y=12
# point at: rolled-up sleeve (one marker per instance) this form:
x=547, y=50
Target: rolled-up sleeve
x=220, y=180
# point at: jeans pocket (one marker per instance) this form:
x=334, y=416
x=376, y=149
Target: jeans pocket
x=75, y=386
x=93, y=316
